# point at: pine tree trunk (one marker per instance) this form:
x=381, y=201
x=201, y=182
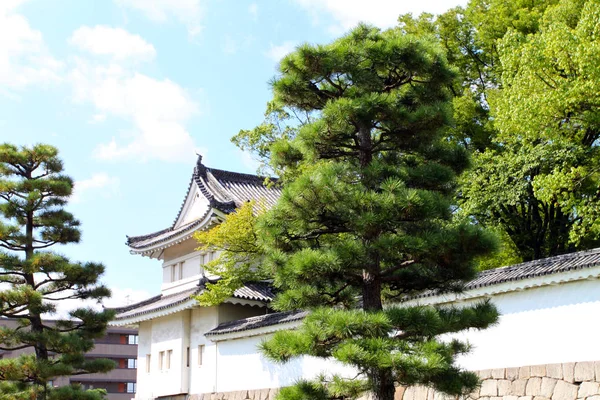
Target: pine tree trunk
x=41, y=352
x=383, y=384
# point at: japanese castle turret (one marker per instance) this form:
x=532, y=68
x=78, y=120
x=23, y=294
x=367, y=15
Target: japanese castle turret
x=545, y=345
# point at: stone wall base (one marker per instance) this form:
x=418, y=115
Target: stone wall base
x=566, y=381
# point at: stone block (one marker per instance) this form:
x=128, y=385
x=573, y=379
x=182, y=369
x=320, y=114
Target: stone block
x=584, y=371
x=484, y=398
x=399, y=393
x=540, y=398
x=593, y=398
x=251, y=394
x=538, y=370
x=564, y=391
x=475, y=393
x=518, y=387
x=568, y=372
x=524, y=372
x=504, y=387
x=512, y=373
x=597, y=369
x=534, y=387
x=264, y=394
x=548, y=385
x=484, y=374
x=588, y=389
x=511, y=397
x=554, y=371
x=496, y=398
x=273, y=394
x=499, y=373
x=420, y=393
x=409, y=394
x=525, y=397
x=489, y=387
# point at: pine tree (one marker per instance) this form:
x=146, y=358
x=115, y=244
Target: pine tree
x=33, y=194
x=365, y=217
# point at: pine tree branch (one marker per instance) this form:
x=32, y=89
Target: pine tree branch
x=385, y=274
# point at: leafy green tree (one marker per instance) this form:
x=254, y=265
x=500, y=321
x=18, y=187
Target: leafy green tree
x=33, y=193
x=365, y=215
x=539, y=181
x=517, y=111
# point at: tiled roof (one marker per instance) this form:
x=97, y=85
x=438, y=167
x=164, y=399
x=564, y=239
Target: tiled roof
x=517, y=272
x=258, y=291
x=155, y=303
x=532, y=269
x=224, y=190
x=258, y=322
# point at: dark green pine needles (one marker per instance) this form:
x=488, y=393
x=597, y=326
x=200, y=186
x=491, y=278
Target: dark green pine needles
x=33, y=193
x=365, y=218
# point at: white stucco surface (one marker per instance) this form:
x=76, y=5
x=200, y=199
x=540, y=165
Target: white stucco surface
x=241, y=366
x=543, y=325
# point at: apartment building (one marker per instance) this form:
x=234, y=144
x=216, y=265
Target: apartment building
x=120, y=345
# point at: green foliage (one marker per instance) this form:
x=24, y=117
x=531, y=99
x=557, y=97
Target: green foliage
x=239, y=253
x=539, y=182
x=526, y=108
x=33, y=193
x=365, y=214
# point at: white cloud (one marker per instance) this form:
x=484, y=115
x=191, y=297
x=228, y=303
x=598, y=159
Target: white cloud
x=116, y=42
x=188, y=12
x=101, y=183
x=381, y=13
x=157, y=109
x=253, y=10
x=24, y=58
x=276, y=53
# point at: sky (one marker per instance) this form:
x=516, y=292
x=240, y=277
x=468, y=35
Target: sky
x=130, y=91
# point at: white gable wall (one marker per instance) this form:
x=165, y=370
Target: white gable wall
x=194, y=207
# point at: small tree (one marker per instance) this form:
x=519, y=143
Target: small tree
x=33, y=193
x=365, y=215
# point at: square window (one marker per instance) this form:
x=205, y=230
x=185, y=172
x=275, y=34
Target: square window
x=131, y=387
x=148, y=359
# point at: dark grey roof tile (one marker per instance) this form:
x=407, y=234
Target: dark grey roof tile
x=258, y=322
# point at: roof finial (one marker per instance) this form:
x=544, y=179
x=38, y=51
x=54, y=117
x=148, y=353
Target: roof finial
x=199, y=161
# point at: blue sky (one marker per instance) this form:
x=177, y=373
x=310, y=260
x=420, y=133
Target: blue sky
x=130, y=90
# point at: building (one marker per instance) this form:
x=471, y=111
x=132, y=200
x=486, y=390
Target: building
x=549, y=312
x=120, y=345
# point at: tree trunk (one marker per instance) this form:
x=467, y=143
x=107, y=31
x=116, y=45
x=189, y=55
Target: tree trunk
x=35, y=317
x=383, y=384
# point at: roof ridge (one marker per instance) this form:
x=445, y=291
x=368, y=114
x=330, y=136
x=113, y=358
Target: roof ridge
x=539, y=261
x=241, y=175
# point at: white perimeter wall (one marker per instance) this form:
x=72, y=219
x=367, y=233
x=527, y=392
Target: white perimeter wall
x=544, y=325
x=241, y=366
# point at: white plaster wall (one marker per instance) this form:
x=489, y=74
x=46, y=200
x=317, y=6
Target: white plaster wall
x=241, y=366
x=202, y=377
x=165, y=333
x=192, y=266
x=144, y=381
x=544, y=325
x=195, y=207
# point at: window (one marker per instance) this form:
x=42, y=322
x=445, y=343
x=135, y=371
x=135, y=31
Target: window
x=132, y=363
x=131, y=387
x=176, y=271
x=187, y=357
x=132, y=339
x=200, y=354
x=161, y=360
x=148, y=359
x=169, y=356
